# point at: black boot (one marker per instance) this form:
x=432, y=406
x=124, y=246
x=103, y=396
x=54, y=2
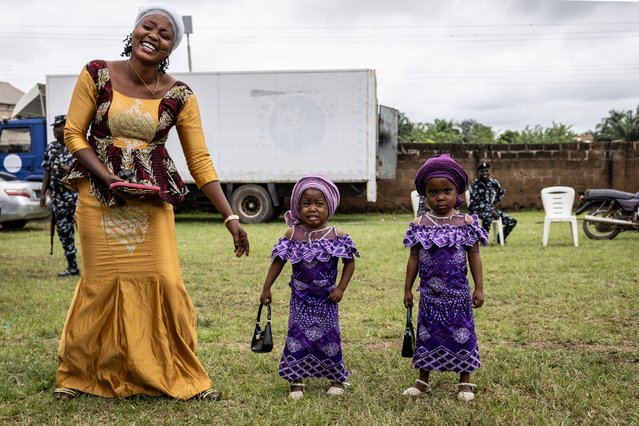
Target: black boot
x=72, y=269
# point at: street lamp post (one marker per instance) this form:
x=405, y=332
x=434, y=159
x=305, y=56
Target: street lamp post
x=188, y=29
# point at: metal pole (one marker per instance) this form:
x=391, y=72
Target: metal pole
x=188, y=29
x=188, y=49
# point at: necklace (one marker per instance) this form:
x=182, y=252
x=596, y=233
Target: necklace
x=157, y=82
x=307, y=232
x=440, y=217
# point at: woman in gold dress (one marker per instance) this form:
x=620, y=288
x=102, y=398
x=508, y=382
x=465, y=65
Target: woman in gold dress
x=130, y=328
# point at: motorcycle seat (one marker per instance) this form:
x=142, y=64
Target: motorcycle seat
x=606, y=194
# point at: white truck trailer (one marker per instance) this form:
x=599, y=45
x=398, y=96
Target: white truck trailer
x=265, y=130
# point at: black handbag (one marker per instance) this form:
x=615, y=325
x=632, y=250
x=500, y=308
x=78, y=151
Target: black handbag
x=408, y=344
x=262, y=340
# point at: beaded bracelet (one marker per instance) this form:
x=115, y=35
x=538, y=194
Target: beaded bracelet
x=231, y=217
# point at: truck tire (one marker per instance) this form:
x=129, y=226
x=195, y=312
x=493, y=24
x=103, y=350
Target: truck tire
x=252, y=204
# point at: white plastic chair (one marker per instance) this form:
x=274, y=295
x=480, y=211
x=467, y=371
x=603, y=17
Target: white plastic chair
x=558, y=201
x=498, y=225
x=498, y=230
x=414, y=200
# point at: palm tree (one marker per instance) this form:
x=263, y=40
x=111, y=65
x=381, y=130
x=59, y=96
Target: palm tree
x=620, y=125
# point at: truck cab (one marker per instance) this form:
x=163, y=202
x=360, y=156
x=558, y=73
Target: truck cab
x=22, y=144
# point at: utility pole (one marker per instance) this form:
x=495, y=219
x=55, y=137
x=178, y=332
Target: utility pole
x=188, y=29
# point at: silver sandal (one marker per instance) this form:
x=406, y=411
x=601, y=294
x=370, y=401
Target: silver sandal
x=414, y=391
x=466, y=396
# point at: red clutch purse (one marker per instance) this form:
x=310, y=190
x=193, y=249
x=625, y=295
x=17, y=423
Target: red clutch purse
x=135, y=188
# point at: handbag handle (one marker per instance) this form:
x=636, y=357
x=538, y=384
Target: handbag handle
x=409, y=314
x=268, y=313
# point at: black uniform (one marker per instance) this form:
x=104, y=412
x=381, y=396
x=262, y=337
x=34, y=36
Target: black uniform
x=484, y=194
x=63, y=200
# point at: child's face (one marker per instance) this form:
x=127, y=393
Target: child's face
x=441, y=196
x=313, y=209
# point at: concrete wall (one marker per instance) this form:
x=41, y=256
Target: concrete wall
x=522, y=169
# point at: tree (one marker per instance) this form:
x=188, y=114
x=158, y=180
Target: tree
x=474, y=132
x=558, y=133
x=509, y=136
x=471, y=131
x=443, y=131
x=619, y=125
x=405, y=128
x=531, y=135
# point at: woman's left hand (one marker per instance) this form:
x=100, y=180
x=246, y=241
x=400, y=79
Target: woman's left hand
x=240, y=238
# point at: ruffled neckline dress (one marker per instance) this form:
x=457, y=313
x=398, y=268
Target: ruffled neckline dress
x=313, y=344
x=445, y=335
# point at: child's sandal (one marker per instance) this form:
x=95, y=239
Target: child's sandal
x=466, y=396
x=298, y=394
x=336, y=390
x=65, y=393
x=414, y=391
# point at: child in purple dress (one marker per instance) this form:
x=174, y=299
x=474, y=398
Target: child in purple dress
x=313, y=345
x=440, y=241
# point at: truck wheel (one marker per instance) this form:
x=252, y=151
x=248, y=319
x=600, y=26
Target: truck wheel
x=252, y=204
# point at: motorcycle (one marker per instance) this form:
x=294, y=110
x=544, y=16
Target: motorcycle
x=609, y=212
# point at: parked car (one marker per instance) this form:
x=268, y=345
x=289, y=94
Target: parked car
x=19, y=202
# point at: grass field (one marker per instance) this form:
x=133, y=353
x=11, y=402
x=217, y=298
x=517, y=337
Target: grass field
x=558, y=333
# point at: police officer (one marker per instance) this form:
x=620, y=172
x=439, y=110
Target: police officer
x=485, y=192
x=57, y=161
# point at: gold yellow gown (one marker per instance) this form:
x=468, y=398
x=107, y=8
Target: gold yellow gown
x=131, y=326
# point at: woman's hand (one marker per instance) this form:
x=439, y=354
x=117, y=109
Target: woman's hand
x=240, y=238
x=478, y=298
x=111, y=178
x=265, y=297
x=408, y=299
x=336, y=295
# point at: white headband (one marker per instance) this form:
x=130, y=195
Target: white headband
x=169, y=13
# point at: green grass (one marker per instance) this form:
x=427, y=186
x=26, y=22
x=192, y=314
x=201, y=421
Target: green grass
x=558, y=333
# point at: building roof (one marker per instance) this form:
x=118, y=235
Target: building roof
x=9, y=95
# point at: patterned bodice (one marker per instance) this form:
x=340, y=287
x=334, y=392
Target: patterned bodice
x=314, y=262
x=129, y=134
x=442, y=251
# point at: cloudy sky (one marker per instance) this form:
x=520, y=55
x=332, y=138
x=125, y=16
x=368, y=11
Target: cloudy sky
x=504, y=63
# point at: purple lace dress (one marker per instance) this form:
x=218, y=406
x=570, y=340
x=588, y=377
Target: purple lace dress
x=445, y=335
x=313, y=345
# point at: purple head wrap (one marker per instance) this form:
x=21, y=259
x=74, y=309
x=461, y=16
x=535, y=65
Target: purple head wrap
x=442, y=166
x=319, y=182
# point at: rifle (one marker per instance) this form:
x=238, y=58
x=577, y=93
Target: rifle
x=52, y=232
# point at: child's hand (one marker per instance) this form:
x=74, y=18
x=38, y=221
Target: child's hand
x=336, y=295
x=478, y=298
x=408, y=299
x=265, y=297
